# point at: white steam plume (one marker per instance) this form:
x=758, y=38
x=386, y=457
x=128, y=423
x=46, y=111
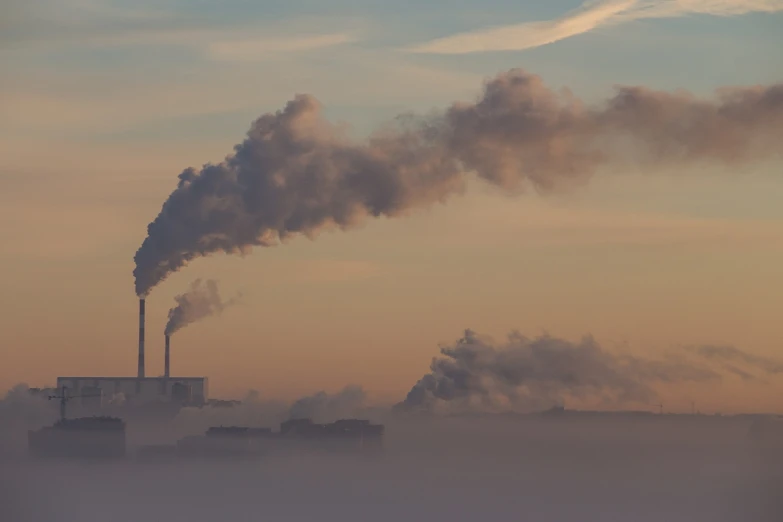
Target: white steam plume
x=478, y=374
x=198, y=302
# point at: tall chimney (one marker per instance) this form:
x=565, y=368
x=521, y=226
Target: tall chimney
x=166, y=359
x=141, y=338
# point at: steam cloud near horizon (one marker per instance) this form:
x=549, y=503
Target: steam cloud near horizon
x=477, y=374
x=323, y=406
x=296, y=173
x=200, y=301
x=21, y=410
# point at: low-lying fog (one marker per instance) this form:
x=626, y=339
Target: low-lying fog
x=434, y=469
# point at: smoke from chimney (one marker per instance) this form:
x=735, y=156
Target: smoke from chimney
x=141, y=339
x=295, y=173
x=476, y=373
x=198, y=302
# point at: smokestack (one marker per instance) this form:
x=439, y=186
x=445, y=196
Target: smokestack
x=166, y=360
x=141, y=338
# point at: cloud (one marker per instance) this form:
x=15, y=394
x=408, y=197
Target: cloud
x=256, y=49
x=589, y=16
x=239, y=44
x=44, y=25
x=66, y=104
x=47, y=23
x=527, y=35
x=675, y=8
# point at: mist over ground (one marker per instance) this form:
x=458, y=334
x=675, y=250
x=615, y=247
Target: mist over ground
x=472, y=440
x=572, y=467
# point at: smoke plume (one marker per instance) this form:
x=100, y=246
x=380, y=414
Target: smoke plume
x=198, y=302
x=728, y=357
x=295, y=173
x=729, y=354
x=534, y=374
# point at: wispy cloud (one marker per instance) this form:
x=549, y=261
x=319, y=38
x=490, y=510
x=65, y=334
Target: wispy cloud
x=589, y=16
x=45, y=25
x=80, y=103
x=236, y=44
x=673, y=8
x=255, y=49
x=530, y=34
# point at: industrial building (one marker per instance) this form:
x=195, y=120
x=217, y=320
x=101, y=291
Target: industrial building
x=354, y=436
x=185, y=390
x=139, y=389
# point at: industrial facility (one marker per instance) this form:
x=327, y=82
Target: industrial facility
x=101, y=390
x=96, y=391
x=345, y=436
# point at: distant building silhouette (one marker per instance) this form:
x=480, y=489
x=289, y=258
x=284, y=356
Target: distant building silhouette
x=183, y=390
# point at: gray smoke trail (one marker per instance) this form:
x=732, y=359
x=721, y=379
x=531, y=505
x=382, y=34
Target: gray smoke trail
x=533, y=374
x=728, y=357
x=728, y=354
x=198, y=302
x=295, y=173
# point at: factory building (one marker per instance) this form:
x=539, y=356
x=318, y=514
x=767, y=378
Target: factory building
x=185, y=390
x=96, y=391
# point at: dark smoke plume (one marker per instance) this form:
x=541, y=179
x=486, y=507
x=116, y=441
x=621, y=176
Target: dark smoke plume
x=198, y=302
x=295, y=173
x=534, y=374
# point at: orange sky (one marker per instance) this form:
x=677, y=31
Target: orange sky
x=638, y=261
x=102, y=104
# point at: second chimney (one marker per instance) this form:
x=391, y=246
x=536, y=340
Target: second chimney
x=167, y=359
x=141, y=338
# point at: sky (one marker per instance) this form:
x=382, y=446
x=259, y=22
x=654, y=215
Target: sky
x=103, y=104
